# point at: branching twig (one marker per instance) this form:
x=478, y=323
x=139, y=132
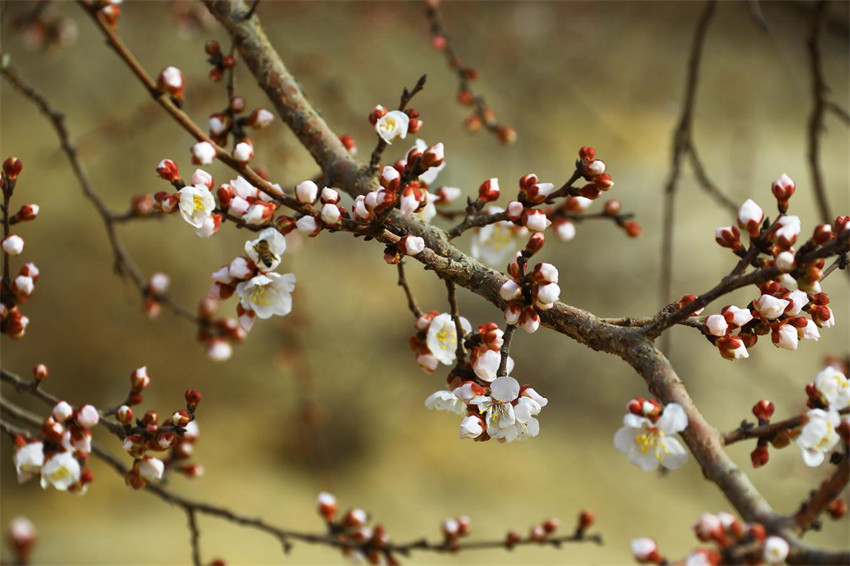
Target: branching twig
x=411, y=302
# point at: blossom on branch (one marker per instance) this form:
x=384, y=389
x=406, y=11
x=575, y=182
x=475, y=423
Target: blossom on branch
x=646, y=437
x=268, y=294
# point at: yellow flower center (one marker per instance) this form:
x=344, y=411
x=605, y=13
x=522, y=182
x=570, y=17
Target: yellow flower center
x=199, y=203
x=652, y=439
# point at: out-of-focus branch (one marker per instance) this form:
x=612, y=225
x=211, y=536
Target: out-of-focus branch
x=683, y=146
x=828, y=491
x=767, y=431
x=483, y=114
x=122, y=262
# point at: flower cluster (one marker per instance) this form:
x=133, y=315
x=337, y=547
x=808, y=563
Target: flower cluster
x=174, y=436
x=60, y=455
x=647, y=436
x=828, y=394
x=528, y=293
x=262, y=292
x=784, y=302
x=497, y=240
x=14, y=289
x=500, y=409
x=746, y=543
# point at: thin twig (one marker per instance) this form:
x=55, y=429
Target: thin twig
x=767, y=431
x=411, y=302
x=461, y=356
x=506, y=349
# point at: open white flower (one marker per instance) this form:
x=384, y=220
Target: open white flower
x=392, y=125
x=267, y=294
x=818, y=436
x=487, y=365
x=649, y=444
x=503, y=419
x=442, y=337
x=445, y=401
x=495, y=243
x=28, y=460
x=266, y=250
x=196, y=205
x=833, y=387
x=61, y=471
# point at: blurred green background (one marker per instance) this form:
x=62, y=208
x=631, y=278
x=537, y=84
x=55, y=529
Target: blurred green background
x=564, y=75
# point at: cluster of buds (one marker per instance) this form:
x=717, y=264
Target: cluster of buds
x=745, y=543
x=262, y=292
x=60, y=455
x=527, y=293
x=14, y=289
x=228, y=122
x=455, y=528
x=174, y=436
x=360, y=542
x=543, y=532
x=394, y=124
x=219, y=61
x=822, y=426
x=329, y=215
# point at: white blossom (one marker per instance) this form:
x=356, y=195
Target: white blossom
x=716, y=325
x=775, y=548
x=810, y=332
x=495, y=243
x=307, y=192
x=219, y=350
x=442, y=337
x=392, y=125
x=203, y=153
x=505, y=420
x=151, y=468
x=61, y=471
x=196, y=204
x=13, y=245
x=786, y=337
x=649, y=444
x=833, y=387
x=784, y=261
x=445, y=401
x=267, y=294
x=818, y=435
x=28, y=460
x=770, y=307
x=430, y=175
x=486, y=365
x=798, y=299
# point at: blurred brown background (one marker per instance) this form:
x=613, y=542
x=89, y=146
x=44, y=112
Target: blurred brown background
x=564, y=74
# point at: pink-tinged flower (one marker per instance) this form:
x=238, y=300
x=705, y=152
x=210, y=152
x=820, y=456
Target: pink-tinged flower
x=810, y=331
x=783, y=187
x=13, y=244
x=442, y=337
x=308, y=225
x=775, y=548
x=495, y=243
x=243, y=152
x=716, y=325
x=267, y=294
x=833, y=387
x=750, y=217
x=648, y=444
x=412, y=245
x=260, y=118
x=219, y=350
x=798, y=300
x=28, y=460
x=61, y=471
x=307, y=192
x=785, y=261
x=330, y=214
x=445, y=401
x=786, y=231
x=427, y=362
x=770, y=307
x=737, y=317
x=62, y=411
x=196, y=205
x=645, y=551
x=240, y=269
x=510, y=290
x=171, y=80
x=565, y=229
x=201, y=178
x=535, y=220
x=392, y=125
x=259, y=213
x=785, y=337
x=487, y=364
x=818, y=435
x=87, y=416
x=471, y=426
x=151, y=468
x=203, y=153
x=267, y=249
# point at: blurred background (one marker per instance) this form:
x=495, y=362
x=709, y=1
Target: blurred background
x=330, y=398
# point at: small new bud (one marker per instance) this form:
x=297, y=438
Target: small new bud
x=489, y=190
x=12, y=167
x=39, y=372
